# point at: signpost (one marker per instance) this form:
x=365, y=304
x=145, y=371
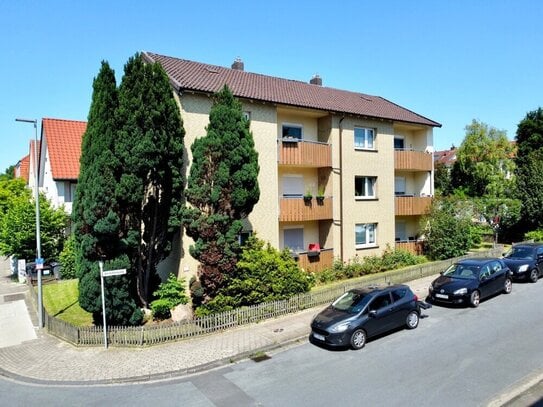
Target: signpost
x=108, y=273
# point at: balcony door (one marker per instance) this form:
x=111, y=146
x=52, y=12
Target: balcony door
x=294, y=239
x=293, y=186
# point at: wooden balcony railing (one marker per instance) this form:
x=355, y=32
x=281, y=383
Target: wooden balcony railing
x=305, y=154
x=298, y=209
x=412, y=160
x=412, y=246
x=412, y=205
x=316, y=263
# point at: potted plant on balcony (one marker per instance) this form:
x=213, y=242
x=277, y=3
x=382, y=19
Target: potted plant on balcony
x=320, y=195
x=308, y=196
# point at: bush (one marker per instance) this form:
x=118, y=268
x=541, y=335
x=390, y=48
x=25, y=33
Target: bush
x=67, y=259
x=169, y=294
x=357, y=267
x=262, y=274
x=535, y=235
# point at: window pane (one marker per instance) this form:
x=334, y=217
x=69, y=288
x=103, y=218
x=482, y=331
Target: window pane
x=398, y=143
x=292, y=131
x=358, y=137
x=371, y=233
x=370, y=182
x=369, y=138
x=360, y=234
x=359, y=186
x=294, y=239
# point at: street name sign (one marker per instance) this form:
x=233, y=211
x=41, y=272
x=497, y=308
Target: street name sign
x=118, y=272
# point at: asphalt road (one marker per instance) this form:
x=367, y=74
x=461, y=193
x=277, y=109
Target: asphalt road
x=456, y=357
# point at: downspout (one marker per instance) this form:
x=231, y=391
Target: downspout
x=341, y=254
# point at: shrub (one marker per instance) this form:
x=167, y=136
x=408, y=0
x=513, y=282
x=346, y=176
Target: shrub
x=169, y=294
x=262, y=274
x=535, y=235
x=67, y=259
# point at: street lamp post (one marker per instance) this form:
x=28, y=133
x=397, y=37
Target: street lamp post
x=37, y=200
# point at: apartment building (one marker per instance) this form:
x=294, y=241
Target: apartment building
x=342, y=174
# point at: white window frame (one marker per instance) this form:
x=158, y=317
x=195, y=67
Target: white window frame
x=295, y=126
x=366, y=142
x=369, y=182
x=370, y=239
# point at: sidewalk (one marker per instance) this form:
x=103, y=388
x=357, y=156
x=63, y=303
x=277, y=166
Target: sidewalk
x=48, y=360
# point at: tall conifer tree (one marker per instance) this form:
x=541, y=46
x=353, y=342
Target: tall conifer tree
x=95, y=211
x=149, y=147
x=222, y=190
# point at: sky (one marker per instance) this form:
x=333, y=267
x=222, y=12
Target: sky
x=450, y=61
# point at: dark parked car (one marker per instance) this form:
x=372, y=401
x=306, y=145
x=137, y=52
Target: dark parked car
x=525, y=261
x=470, y=280
x=50, y=271
x=362, y=313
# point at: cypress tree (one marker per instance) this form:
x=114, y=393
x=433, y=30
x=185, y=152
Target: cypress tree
x=149, y=147
x=222, y=190
x=95, y=211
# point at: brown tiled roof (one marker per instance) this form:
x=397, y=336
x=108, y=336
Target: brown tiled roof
x=64, y=146
x=199, y=77
x=446, y=157
x=22, y=168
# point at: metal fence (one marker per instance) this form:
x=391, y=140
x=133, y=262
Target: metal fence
x=127, y=336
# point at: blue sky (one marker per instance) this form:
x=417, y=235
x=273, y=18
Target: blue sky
x=451, y=61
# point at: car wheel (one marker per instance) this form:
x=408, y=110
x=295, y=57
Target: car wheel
x=358, y=339
x=507, y=286
x=412, y=320
x=534, y=275
x=475, y=299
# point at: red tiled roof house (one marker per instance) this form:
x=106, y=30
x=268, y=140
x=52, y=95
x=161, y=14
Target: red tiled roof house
x=59, y=159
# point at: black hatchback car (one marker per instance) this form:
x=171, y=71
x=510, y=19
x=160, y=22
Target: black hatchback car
x=525, y=261
x=362, y=313
x=470, y=280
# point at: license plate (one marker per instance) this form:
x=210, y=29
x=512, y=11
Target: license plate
x=444, y=296
x=317, y=336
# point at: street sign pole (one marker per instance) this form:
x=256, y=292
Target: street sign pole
x=108, y=273
x=101, y=263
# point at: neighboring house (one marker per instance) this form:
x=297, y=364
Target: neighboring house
x=60, y=151
x=22, y=168
x=445, y=157
x=370, y=157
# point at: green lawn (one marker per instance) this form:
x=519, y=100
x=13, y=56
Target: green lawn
x=60, y=301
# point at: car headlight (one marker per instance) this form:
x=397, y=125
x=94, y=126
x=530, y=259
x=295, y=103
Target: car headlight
x=524, y=267
x=461, y=291
x=340, y=327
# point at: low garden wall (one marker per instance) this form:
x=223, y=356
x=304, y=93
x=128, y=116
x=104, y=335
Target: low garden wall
x=126, y=336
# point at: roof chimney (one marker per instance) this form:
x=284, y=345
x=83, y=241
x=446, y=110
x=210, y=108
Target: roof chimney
x=238, y=64
x=316, y=80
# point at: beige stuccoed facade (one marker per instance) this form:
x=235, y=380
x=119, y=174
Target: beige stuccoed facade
x=326, y=160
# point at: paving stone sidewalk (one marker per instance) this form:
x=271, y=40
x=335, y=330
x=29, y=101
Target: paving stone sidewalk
x=48, y=360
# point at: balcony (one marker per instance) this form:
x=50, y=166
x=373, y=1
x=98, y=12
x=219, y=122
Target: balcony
x=318, y=263
x=407, y=205
x=412, y=160
x=297, y=209
x=304, y=153
x=411, y=246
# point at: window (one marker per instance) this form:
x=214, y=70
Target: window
x=364, y=138
x=380, y=302
x=247, y=116
x=399, y=185
x=294, y=239
x=398, y=293
x=401, y=233
x=292, y=131
x=399, y=143
x=365, y=235
x=69, y=191
x=293, y=186
x=364, y=187
x=243, y=237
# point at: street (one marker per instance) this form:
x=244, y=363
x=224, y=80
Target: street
x=457, y=356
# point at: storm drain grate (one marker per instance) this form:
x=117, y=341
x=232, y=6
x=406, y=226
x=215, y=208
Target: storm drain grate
x=13, y=297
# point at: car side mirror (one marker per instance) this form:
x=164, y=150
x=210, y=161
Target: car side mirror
x=540, y=257
x=372, y=313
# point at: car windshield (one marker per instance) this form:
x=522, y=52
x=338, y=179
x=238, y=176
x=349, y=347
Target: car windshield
x=351, y=302
x=463, y=271
x=520, y=253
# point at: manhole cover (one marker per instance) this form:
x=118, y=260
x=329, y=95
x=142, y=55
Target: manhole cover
x=13, y=297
